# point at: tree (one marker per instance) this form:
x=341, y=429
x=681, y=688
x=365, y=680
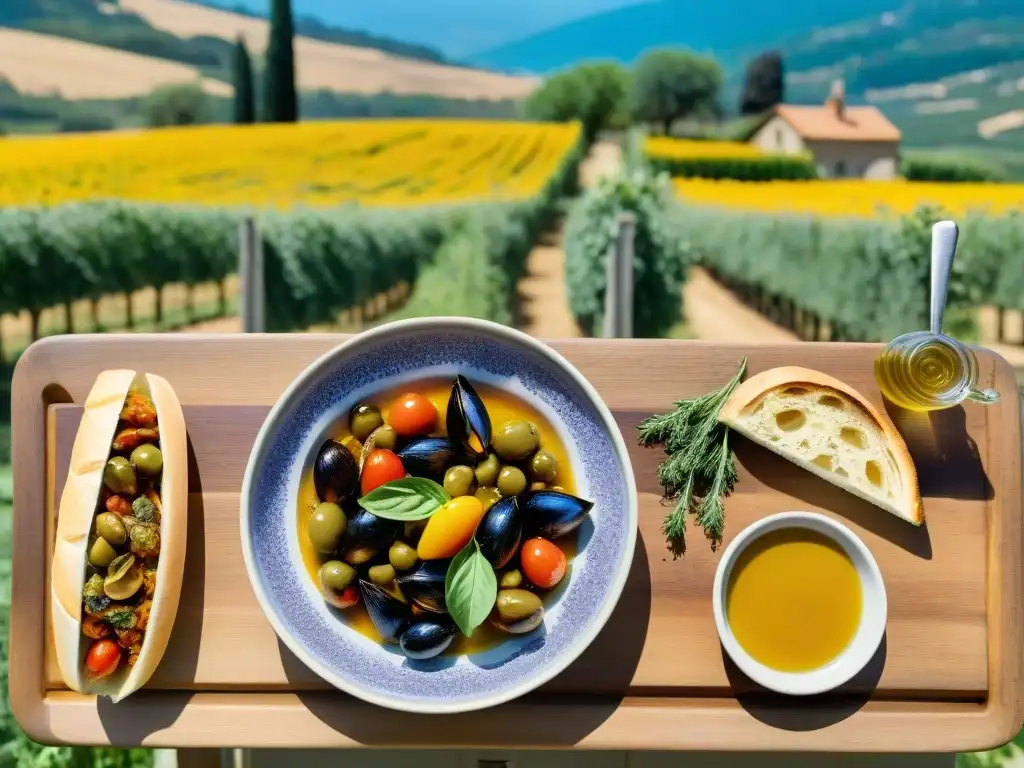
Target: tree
x=281, y=100
x=670, y=84
x=593, y=93
x=245, y=99
x=764, y=84
x=177, y=104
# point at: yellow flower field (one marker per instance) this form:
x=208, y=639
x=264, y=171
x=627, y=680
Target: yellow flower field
x=849, y=197
x=377, y=162
x=661, y=146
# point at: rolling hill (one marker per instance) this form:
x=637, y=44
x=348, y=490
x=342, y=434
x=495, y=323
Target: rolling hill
x=182, y=41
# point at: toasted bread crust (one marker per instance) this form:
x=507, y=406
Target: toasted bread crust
x=74, y=525
x=750, y=392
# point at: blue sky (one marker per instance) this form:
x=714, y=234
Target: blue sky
x=458, y=27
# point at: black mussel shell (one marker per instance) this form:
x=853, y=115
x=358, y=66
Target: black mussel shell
x=428, y=457
x=500, y=532
x=365, y=529
x=425, y=585
x=390, y=616
x=428, y=638
x=469, y=425
x=335, y=472
x=554, y=513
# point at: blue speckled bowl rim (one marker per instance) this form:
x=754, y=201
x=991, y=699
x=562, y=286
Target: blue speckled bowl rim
x=393, y=332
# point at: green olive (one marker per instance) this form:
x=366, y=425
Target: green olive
x=413, y=529
x=148, y=460
x=516, y=440
x=538, y=486
x=326, y=527
x=385, y=437
x=511, y=481
x=360, y=555
x=514, y=605
x=402, y=557
x=543, y=467
x=119, y=476
x=486, y=471
x=101, y=554
x=458, y=480
x=382, y=575
x=363, y=420
x=335, y=576
x=111, y=528
x=487, y=497
x=510, y=579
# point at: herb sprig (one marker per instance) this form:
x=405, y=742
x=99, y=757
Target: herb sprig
x=699, y=472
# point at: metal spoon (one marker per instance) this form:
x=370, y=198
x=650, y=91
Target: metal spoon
x=944, y=237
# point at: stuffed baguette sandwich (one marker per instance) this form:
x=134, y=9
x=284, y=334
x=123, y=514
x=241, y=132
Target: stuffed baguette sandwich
x=119, y=555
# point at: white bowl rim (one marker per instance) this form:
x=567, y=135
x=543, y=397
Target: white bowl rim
x=615, y=588
x=870, y=631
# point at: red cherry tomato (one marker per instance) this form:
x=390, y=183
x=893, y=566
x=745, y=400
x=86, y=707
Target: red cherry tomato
x=103, y=658
x=543, y=562
x=348, y=597
x=382, y=466
x=412, y=415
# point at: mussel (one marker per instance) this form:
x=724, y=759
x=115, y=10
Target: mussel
x=554, y=513
x=500, y=532
x=469, y=425
x=390, y=616
x=365, y=529
x=428, y=638
x=335, y=473
x=517, y=611
x=425, y=585
x=428, y=457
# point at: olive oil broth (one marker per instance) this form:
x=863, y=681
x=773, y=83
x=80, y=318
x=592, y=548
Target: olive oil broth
x=794, y=600
x=502, y=406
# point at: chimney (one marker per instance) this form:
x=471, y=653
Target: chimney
x=836, y=99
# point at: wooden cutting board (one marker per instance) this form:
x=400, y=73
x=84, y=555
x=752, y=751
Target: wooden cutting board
x=947, y=678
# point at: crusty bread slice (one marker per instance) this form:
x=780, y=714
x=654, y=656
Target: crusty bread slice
x=75, y=520
x=828, y=428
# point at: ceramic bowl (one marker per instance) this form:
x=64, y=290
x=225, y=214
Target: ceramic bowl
x=382, y=358
x=873, y=613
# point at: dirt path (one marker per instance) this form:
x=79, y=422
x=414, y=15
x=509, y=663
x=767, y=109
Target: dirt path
x=544, y=300
x=714, y=314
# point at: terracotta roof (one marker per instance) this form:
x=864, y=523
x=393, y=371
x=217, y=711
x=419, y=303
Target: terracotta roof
x=823, y=124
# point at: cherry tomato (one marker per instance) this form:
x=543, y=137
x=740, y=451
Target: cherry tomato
x=382, y=466
x=348, y=597
x=543, y=562
x=412, y=415
x=103, y=658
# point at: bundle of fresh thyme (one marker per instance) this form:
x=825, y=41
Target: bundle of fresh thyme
x=699, y=471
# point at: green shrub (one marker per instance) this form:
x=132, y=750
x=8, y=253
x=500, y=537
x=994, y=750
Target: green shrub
x=660, y=266
x=867, y=278
x=766, y=168
x=177, y=104
x=938, y=167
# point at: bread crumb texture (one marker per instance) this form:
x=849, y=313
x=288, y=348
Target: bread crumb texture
x=823, y=429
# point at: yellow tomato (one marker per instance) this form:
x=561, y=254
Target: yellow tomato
x=451, y=528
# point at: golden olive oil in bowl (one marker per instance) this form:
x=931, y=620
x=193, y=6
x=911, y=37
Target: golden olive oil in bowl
x=799, y=603
x=925, y=371
x=794, y=600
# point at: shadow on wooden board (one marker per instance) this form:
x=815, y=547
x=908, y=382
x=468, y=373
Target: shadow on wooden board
x=600, y=678
x=806, y=713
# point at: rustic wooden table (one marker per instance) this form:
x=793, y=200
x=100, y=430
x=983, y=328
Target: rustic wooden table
x=947, y=677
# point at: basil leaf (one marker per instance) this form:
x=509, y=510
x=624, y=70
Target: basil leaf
x=470, y=588
x=410, y=498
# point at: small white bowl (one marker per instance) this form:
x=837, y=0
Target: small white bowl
x=873, y=612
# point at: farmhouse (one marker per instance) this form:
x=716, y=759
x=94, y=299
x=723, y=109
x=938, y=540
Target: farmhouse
x=855, y=142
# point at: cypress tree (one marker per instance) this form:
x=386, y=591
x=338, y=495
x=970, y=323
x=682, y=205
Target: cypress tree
x=764, y=84
x=245, y=99
x=281, y=103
